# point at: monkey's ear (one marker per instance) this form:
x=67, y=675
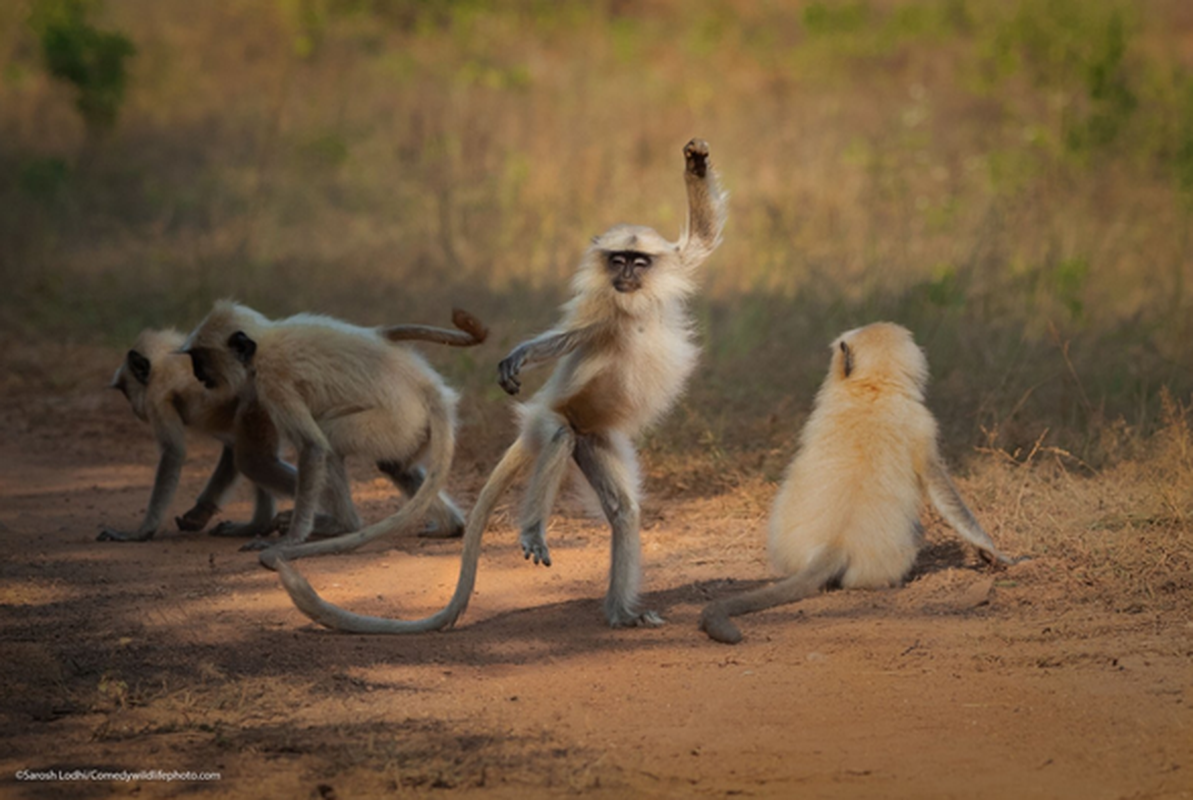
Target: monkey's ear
x=138, y=365
x=242, y=347
x=846, y=359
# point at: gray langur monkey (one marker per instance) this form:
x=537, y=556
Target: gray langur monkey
x=157, y=382
x=848, y=512
x=624, y=350
x=334, y=390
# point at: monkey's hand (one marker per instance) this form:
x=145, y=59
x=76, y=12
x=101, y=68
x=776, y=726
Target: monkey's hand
x=196, y=519
x=509, y=369
x=998, y=559
x=470, y=325
x=112, y=535
x=695, y=153
x=718, y=626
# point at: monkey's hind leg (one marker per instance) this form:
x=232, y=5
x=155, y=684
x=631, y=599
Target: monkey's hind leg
x=337, y=499
x=340, y=516
x=446, y=518
x=610, y=468
x=549, y=469
x=714, y=620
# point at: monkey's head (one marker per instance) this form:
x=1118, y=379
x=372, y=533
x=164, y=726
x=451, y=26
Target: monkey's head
x=882, y=353
x=633, y=264
x=221, y=349
x=132, y=376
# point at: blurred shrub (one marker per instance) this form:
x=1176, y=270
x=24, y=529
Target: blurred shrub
x=89, y=59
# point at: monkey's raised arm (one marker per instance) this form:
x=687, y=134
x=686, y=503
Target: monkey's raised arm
x=172, y=445
x=545, y=347
x=944, y=495
x=706, y=205
x=471, y=331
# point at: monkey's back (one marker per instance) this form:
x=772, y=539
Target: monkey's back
x=853, y=488
x=369, y=396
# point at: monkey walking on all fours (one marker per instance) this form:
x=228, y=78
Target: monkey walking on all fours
x=848, y=511
x=624, y=350
x=333, y=390
x=159, y=383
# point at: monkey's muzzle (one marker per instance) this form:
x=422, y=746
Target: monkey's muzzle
x=627, y=284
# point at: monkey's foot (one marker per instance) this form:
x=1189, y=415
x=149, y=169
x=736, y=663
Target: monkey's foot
x=443, y=529
x=534, y=544
x=996, y=559
x=196, y=519
x=719, y=627
x=241, y=530
x=113, y=535
x=626, y=619
x=265, y=544
x=324, y=526
x=695, y=153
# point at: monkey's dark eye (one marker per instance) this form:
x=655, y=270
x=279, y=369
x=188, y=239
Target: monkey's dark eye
x=618, y=260
x=642, y=262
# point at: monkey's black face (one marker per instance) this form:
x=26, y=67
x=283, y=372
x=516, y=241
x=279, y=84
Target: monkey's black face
x=201, y=366
x=627, y=268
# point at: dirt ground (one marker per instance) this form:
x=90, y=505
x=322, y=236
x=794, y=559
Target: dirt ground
x=1043, y=680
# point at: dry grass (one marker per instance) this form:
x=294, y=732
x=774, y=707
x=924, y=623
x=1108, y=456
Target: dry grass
x=955, y=165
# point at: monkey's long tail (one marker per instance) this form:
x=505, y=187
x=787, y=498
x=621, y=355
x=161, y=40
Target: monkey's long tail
x=336, y=618
x=824, y=567
x=471, y=331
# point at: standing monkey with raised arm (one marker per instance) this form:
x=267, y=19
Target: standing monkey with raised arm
x=624, y=350
x=334, y=390
x=848, y=512
x=157, y=381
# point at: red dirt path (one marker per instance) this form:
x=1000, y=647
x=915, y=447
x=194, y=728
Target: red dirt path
x=183, y=654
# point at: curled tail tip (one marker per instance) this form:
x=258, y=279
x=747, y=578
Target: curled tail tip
x=470, y=325
x=719, y=628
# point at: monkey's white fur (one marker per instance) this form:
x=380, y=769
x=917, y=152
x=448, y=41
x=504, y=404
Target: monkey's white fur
x=854, y=488
x=623, y=351
x=159, y=386
x=335, y=390
x=848, y=511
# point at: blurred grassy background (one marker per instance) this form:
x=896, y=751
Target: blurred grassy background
x=1011, y=180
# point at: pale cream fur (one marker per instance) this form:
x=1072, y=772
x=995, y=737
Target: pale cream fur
x=854, y=487
x=623, y=352
x=848, y=511
x=335, y=390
